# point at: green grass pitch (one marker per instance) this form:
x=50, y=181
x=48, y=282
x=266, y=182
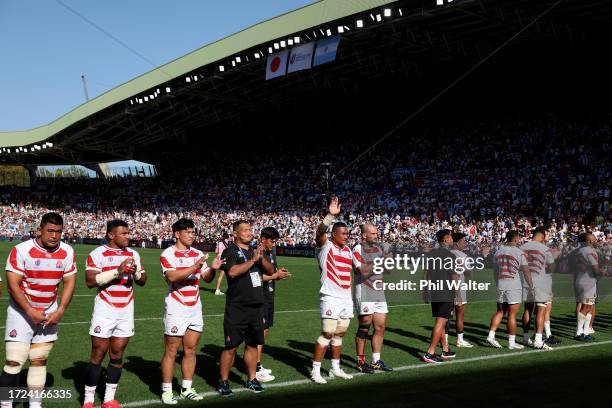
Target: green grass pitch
x=477, y=376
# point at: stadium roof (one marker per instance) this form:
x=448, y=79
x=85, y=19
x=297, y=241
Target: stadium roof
x=205, y=103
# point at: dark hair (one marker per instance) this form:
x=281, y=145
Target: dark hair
x=182, y=224
x=51, y=218
x=442, y=233
x=236, y=224
x=112, y=224
x=458, y=236
x=225, y=235
x=270, y=233
x=339, y=224
x=510, y=235
x=539, y=230
x=583, y=237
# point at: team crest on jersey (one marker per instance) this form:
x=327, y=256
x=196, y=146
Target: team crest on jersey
x=328, y=313
x=174, y=329
x=110, y=259
x=37, y=262
x=13, y=333
x=180, y=260
x=59, y=265
x=97, y=329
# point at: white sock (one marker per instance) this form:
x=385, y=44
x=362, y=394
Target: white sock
x=375, y=357
x=316, y=367
x=580, y=325
x=187, y=384
x=526, y=337
x=491, y=334
x=35, y=404
x=587, y=323
x=511, y=340
x=335, y=364
x=446, y=338
x=109, y=394
x=166, y=387
x=547, y=328
x=460, y=337
x=538, y=338
x=6, y=404
x=90, y=394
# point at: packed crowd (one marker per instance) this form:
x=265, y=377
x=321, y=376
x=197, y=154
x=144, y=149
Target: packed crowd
x=482, y=180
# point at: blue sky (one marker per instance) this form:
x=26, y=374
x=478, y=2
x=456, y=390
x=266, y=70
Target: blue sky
x=45, y=48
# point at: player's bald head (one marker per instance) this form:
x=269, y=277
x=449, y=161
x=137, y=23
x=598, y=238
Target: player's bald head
x=368, y=227
x=369, y=232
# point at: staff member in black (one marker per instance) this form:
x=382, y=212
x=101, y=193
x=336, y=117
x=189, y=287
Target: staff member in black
x=243, y=321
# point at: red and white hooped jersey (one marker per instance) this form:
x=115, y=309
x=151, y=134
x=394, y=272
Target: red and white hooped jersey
x=336, y=265
x=41, y=271
x=187, y=291
x=365, y=255
x=509, y=260
x=119, y=292
x=539, y=257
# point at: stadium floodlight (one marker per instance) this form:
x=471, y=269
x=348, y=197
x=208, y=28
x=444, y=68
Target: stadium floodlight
x=276, y=46
x=238, y=59
x=270, y=50
x=131, y=101
x=378, y=17
x=187, y=79
x=146, y=98
x=283, y=43
x=328, y=32
x=400, y=11
x=340, y=29
x=256, y=55
x=233, y=63
x=296, y=40
x=151, y=97
x=440, y=2
x=372, y=17
x=387, y=12
x=157, y=90
x=50, y=144
x=359, y=23
x=8, y=150
x=139, y=100
x=195, y=77
x=167, y=89
x=290, y=42
x=221, y=68
x=322, y=32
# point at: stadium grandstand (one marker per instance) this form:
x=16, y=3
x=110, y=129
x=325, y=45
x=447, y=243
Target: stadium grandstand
x=476, y=116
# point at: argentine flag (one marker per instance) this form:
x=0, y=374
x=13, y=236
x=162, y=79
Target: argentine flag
x=326, y=50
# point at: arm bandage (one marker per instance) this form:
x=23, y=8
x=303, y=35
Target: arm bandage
x=329, y=220
x=104, y=277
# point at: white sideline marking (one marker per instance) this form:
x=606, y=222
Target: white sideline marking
x=283, y=384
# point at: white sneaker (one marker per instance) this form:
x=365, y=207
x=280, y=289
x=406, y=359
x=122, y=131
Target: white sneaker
x=591, y=331
x=168, y=398
x=493, y=343
x=263, y=376
x=529, y=343
x=317, y=377
x=339, y=373
x=463, y=343
x=219, y=293
x=516, y=346
x=541, y=346
x=191, y=394
x=265, y=370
